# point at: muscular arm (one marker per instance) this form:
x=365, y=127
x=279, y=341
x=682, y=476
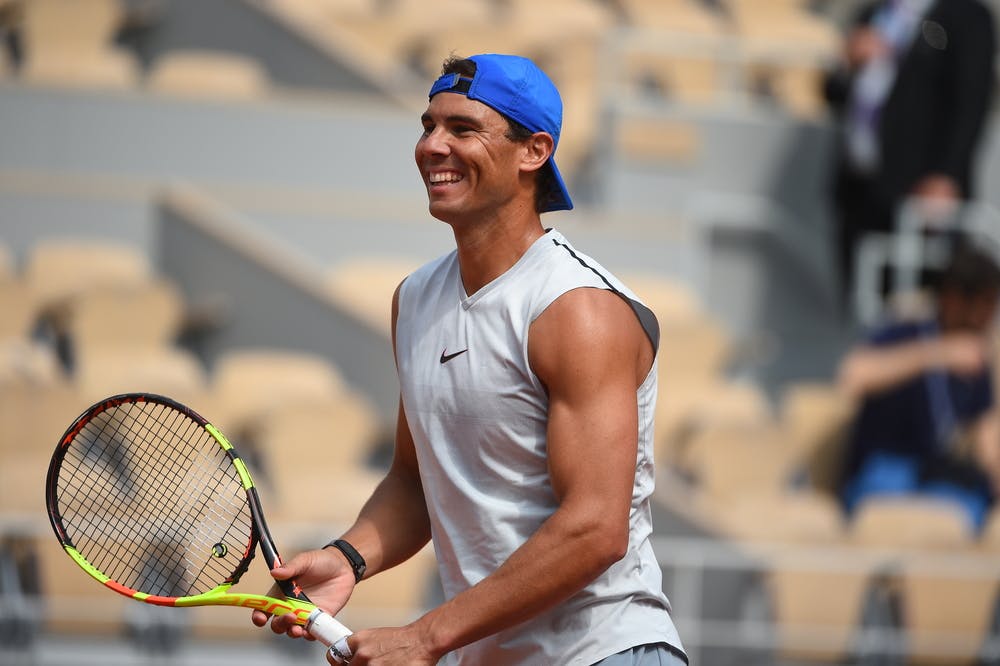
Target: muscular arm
x=591, y=353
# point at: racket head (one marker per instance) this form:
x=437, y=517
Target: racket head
x=152, y=501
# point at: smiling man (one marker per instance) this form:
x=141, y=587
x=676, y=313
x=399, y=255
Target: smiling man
x=524, y=438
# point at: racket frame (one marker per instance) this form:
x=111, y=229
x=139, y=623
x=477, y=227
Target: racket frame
x=296, y=601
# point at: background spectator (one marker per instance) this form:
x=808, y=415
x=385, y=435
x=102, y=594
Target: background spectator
x=912, y=93
x=927, y=421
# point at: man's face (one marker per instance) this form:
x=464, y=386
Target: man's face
x=972, y=313
x=469, y=166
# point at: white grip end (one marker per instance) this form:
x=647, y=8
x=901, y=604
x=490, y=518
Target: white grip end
x=325, y=628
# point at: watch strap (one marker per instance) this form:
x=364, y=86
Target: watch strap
x=353, y=557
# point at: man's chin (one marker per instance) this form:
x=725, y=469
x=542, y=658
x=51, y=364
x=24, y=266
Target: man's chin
x=443, y=211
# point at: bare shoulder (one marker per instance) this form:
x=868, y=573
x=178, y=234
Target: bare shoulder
x=588, y=330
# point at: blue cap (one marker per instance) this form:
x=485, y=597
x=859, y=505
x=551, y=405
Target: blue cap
x=518, y=89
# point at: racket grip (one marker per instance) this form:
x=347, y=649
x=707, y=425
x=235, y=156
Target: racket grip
x=325, y=628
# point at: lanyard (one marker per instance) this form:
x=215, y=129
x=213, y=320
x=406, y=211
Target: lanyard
x=942, y=408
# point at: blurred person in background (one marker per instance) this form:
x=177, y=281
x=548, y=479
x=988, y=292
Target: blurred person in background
x=11, y=24
x=911, y=96
x=524, y=438
x=927, y=423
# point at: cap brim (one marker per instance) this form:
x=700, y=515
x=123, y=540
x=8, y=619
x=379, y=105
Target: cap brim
x=559, y=195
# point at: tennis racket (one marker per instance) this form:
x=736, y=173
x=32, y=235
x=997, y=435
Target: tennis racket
x=153, y=502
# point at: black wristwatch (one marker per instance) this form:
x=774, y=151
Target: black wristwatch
x=353, y=556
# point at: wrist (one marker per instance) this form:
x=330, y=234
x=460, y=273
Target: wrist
x=354, y=559
x=433, y=634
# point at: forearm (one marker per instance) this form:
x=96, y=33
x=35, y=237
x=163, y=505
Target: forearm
x=866, y=371
x=393, y=524
x=566, y=553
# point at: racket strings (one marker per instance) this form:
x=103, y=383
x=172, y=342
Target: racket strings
x=151, y=499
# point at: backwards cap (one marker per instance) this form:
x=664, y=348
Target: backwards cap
x=517, y=88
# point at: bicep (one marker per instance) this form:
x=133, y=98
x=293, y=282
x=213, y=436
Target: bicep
x=587, y=348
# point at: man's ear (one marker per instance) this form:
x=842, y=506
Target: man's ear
x=538, y=150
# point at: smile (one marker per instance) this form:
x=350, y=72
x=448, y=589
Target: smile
x=444, y=177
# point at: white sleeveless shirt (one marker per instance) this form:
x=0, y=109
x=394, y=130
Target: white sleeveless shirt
x=478, y=418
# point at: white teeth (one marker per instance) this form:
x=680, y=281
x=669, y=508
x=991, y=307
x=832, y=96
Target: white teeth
x=446, y=177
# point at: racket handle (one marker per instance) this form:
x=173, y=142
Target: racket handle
x=325, y=628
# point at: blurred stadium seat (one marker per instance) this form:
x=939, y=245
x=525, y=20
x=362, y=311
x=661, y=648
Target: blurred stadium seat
x=905, y=522
x=341, y=431
x=817, y=417
x=658, y=140
x=57, y=269
x=365, y=285
x=33, y=416
x=680, y=50
x=305, y=496
x=700, y=349
x=20, y=309
x=814, y=590
x=169, y=371
x=109, y=69
x=73, y=603
x=79, y=25
x=247, y=383
x=938, y=608
x=208, y=74
x=397, y=32
x=702, y=404
x=787, y=49
x=8, y=268
x=671, y=300
x=147, y=314
x=731, y=462
x=69, y=42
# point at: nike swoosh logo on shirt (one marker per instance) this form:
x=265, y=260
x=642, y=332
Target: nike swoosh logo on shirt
x=445, y=356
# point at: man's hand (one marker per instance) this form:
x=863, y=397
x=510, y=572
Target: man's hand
x=402, y=646
x=863, y=45
x=938, y=197
x=326, y=578
x=964, y=354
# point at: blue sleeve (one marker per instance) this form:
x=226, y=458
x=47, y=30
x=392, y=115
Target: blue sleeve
x=895, y=333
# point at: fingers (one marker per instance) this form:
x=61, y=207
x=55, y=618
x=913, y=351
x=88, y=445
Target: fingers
x=281, y=624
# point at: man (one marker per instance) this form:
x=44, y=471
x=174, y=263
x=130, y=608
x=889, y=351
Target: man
x=913, y=94
x=524, y=436
x=925, y=388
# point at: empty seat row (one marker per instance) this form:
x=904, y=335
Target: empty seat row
x=911, y=567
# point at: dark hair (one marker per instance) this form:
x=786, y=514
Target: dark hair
x=545, y=186
x=971, y=271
